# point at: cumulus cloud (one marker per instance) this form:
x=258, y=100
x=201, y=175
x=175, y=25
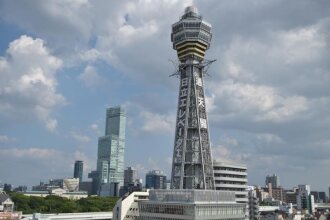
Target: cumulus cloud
x=5, y=139
x=269, y=138
x=90, y=77
x=269, y=88
x=154, y=122
x=39, y=163
x=258, y=102
x=80, y=137
x=31, y=153
x=28, y=83
x=94, y=127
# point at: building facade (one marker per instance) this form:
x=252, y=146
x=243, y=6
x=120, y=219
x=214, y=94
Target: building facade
x=192, y=161
x=253, y=204
x=290, y=196
x=231, y=177
x=274, y=180
x=131, y=182
x=155, y=179
x=6, y=204
x=130, y=175
x=126, y=207
x=109, y=175
x=78, y=170
x=190, y=204
x=305, y=200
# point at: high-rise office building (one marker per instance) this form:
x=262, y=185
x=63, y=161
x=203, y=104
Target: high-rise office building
x=319, y=197
x=155, y=179
x=274, y=180
x=316, y=196
x=109, y=175
x=305, y=200
x=322, y=197
x=192, y=162
x=130, y=176
x=131, y=182
x=78, y=170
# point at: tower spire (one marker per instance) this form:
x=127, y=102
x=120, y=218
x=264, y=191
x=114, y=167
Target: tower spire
x=192, y=161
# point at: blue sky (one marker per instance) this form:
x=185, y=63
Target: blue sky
x=62, y=63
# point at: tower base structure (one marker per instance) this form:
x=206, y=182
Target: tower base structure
x=191, y=204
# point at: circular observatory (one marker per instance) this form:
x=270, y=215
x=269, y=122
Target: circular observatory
x=191, y=36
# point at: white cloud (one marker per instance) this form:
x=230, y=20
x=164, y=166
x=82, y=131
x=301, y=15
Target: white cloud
x=223, y=153
x=90, y=77
x=31, y=153
x=79, y=137
x=90, y=55
x=272, y=77
x=303, y=44
x=154, y=122
x=94, y=127
x=258, y=102
x=39, y=163
x=5, y=139
x=209, y=101
x=28, y=83
x=270, y=138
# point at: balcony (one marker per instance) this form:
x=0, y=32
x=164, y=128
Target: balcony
x=230, y=172
x=244, y=180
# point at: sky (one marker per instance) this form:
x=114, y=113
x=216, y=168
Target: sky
x=62, y=63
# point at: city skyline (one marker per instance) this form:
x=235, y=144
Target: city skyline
x=268, y=95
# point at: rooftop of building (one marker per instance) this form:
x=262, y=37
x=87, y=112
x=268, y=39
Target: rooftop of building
x=229, y=164
x=156, y=172
x=3, y=197
x=191, y=196
x=116, y=111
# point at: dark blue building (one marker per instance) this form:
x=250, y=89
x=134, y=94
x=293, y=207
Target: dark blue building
x=155, y=179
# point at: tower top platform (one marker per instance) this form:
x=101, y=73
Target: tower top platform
x=191, y=35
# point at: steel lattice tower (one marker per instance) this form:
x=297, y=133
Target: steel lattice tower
x=192, y=162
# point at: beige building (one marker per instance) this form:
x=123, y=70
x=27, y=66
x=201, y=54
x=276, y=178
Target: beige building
x=231, y=177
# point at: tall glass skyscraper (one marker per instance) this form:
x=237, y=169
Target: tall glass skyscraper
x=78, y=169
x=109, y=175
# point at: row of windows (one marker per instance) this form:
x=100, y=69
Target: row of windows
x=193, y=35
x=230, y=169
x=166, y=209
x=229, y=175
x=231, y=189
x=198, y=25
x=230, y=182
x=214, y=210
x=160, y=218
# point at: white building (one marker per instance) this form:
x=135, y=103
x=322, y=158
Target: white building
x=253, y=204
x=6, y=204
x=127, y=207
x=70, y=216
x=231, y=177
x=71, y=184
x=58, y=192
x=191, y=204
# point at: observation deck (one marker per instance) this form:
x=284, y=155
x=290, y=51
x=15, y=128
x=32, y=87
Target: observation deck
x=191, y=36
